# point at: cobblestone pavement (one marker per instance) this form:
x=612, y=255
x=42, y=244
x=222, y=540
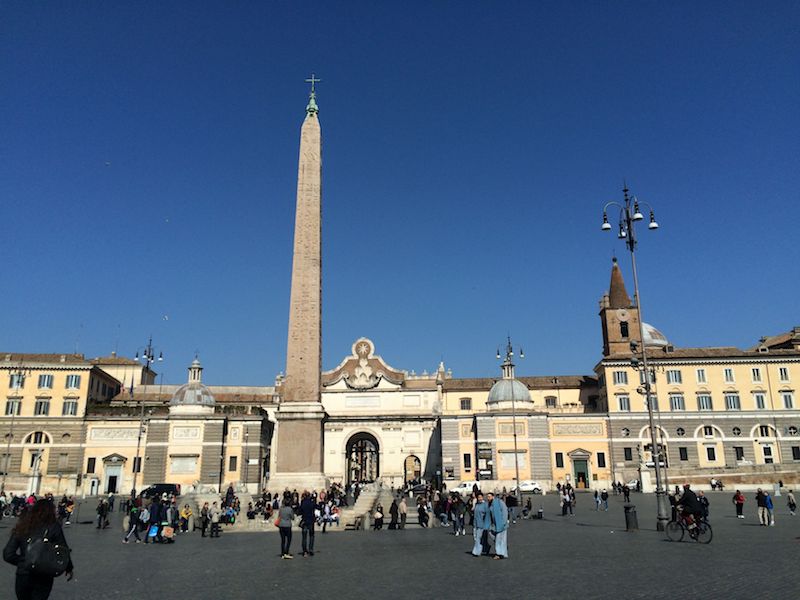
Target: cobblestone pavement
x=588, y=556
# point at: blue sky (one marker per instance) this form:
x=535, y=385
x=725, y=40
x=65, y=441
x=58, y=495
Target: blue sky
x=148, y=161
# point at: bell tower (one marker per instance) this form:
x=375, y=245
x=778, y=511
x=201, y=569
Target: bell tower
x=619, y=317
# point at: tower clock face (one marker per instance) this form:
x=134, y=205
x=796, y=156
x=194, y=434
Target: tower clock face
x=622, y=314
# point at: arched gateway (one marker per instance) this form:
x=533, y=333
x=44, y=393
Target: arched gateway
x=363, y=458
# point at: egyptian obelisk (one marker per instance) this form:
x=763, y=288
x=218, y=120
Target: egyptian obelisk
x=300, y=415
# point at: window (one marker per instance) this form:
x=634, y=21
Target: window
x=90, y=464
x=711, y=453
x=654, y=400
x=728, y=374
x=732, y=402
x=232, y=463
x=624, y=403
x=12, y=407
x=759, y=400
x=626, y=432
x=73, y=382
x=708, y=431
x=623, y=329
x=63, y=461
x=620, y=378
x=737, y=431
x=137, y=464
x=683, y=453
x=42, y=407
x=680, y=431
x=704, y=402
x=628, y=452
x=756, y=372
x=674, y=376
x=783, y=374
x=104, y=393
x=70, y=408
x=559, y=460
x=791, y=430
x=45, y=382
x=795, y=452
x=701, y=376
x=738, y=452
x=550, y=401
x=601, y=460
x=788, y=400
x=652, y=377
x=5, y=462
x=764, y=431
x=468, y=462
x=676, y=402
x=466, y=403
x=17, y=381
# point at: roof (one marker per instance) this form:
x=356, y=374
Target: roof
x=114, y=360
x=63, y=359
x=543, y=382
x=617, y=294
x=711, y=352
x=782, y=340
x=223, y=394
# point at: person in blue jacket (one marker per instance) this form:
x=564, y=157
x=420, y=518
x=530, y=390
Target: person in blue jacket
x=480, y=526
x=498, y=513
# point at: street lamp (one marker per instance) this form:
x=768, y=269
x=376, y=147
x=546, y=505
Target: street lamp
x=18, y=377
x=148, y=357
x=246, y=454
x=629, y=213
x=508, y=373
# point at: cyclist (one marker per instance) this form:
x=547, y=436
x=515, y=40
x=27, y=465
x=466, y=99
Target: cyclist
x=692, y=510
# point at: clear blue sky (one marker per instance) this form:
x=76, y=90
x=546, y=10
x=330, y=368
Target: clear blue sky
x=148, y=159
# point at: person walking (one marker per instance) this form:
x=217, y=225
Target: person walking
x=769, y=506
x=763, y=516
x=307, y=522
x=402, y=509
x=791, y=503
x=481, y=523
x=285, y=518
x=393, y=512
x=604, y=498
x=204, y=519
x=596, y=500
x=214, y=514
x=738, y=502
x=102, y=514
x=378, y=518
x=704, y=503
x=133, y=524
x=38, y=522
x=498, y=513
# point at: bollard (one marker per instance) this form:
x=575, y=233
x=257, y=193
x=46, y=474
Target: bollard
x=631, y=521
x=540, y=513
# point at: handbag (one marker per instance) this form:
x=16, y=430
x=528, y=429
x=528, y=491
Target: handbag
x=42, y=557
x=152, y=531
x=278, y=522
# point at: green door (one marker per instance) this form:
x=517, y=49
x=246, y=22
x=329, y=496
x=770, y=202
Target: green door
x=581, y=473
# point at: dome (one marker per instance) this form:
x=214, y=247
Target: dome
x=653, y=338
x=192, y=394
x=506, y=392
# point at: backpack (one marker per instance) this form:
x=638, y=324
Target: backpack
x=42, y=557
x=144, y=515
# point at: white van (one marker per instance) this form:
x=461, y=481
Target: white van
x=464, y=488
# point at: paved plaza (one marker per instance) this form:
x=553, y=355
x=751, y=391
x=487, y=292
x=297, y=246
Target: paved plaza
x=587, y=556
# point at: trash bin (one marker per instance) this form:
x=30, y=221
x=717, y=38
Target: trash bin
x=631, y=521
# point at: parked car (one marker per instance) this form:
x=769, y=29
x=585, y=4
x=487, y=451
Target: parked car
x=633, y=484
x=159, y=489
x=464, y=488
x=528, y=486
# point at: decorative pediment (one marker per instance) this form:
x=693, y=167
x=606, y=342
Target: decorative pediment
x=114, y=458
x=579, y=453
x=363, y=369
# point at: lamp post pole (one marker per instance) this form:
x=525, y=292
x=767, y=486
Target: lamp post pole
x=18, y=375
x=629, y=213
x=508, y=373
x=148, y=357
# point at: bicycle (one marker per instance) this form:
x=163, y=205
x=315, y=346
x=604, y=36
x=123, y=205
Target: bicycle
x=701, y=532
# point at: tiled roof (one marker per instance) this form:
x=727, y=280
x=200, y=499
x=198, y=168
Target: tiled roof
x=223, y=394
x=712, y=352
x=27, y=358
x=113, y=360
x=542, y=382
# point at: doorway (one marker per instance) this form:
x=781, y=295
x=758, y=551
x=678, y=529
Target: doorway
x=363, y=459
x=580, y=469
x=113, y=477
x=413, y=469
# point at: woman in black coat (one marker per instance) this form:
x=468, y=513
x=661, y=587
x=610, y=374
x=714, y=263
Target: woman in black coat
x=34, y=523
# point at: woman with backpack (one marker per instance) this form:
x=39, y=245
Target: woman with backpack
x=38, y=548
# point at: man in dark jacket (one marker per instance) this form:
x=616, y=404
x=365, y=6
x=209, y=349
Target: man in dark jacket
x=157, y=516
x=307, y=521
x=691, y=505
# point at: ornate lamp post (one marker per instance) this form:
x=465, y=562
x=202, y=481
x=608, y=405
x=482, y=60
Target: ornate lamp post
x=629, y=214
x=508, y=373
x=148, y=357
x=18, y=377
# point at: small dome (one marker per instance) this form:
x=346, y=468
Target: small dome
x=507, y=391
x=192, y=394
x=653, y=338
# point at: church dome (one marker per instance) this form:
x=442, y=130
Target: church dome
x=508, y=392
x=193, y=393
x=653, y=338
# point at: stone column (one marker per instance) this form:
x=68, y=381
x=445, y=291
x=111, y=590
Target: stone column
x=299, y=439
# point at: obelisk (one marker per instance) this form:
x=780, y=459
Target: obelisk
x=300, y=415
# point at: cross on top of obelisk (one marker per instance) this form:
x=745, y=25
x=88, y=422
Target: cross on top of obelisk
x=312, y=96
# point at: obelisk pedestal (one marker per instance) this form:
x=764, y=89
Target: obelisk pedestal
x=299, y=447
